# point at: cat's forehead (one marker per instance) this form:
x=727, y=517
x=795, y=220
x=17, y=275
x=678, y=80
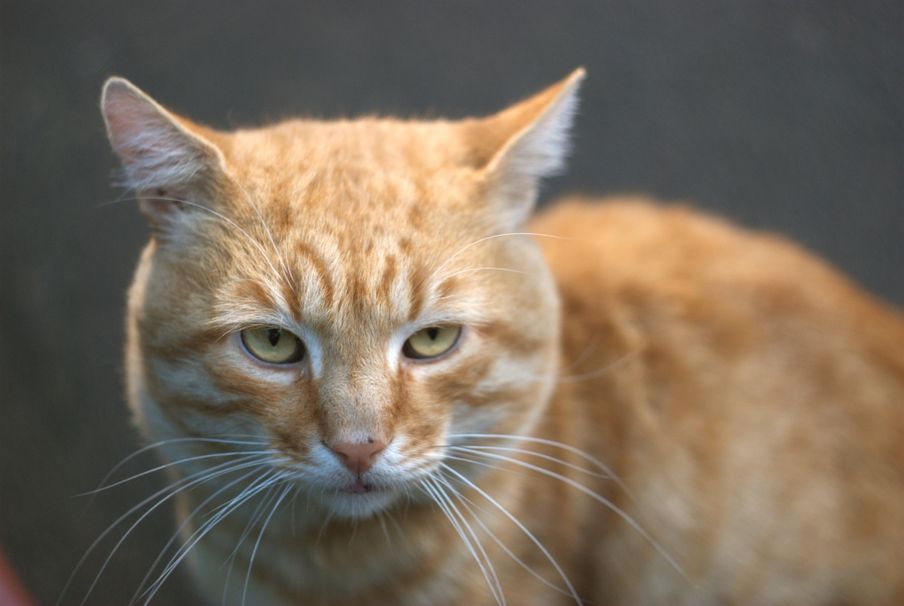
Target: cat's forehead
x=368, y=174
x=348, y=148
x=363, y=227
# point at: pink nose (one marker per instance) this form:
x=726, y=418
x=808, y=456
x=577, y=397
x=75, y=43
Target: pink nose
x=358, y=456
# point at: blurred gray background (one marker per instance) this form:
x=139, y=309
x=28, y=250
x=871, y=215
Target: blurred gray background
x=781, y=115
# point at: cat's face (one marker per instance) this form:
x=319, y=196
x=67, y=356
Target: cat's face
x=355, y=295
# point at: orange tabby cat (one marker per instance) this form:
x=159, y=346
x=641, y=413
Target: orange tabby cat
x=378, y=381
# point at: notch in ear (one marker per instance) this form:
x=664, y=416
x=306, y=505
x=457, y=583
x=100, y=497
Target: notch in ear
x=163, y=156
x=517, y=147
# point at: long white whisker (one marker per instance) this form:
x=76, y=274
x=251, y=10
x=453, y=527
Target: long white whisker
x=171, y=441
x=260, y=535
x=591, y=374
x=258, y=513
x=431, y=490
x=201, y=532
x=174, y=463
x=230, y=467
x=468, y=270
x=571, y=590
x=294, y=510
x=286, y=273
x=326, y=522
x=482, y=240
x=173, y=489
x=575, y=451
x=495, y=585
x=186, y=522
x=263, y=482
x=596, y=497
x=471, y=506
x=539, y=455
x=229, y=222
x=382, y=520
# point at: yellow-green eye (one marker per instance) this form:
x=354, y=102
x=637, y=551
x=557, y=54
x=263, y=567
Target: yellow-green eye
x=431, y=342
x=273, y=345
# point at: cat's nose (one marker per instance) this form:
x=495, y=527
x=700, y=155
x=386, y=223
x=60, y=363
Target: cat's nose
x=358, y=456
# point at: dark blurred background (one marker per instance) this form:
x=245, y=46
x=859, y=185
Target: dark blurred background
x=781, y=115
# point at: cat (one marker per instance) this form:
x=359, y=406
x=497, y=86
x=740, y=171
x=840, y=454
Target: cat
x=374, y=377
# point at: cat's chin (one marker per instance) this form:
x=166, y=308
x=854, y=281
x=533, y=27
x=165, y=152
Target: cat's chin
x=356, y=504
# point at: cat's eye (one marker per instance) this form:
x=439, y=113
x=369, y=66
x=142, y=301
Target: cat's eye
x=273, y=345
x=431, y=342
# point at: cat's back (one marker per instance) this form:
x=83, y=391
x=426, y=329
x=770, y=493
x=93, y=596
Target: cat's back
x=670, y=261
x=761, y=377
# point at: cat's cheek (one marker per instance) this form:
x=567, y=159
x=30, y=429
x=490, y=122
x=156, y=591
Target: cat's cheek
x=468, y=419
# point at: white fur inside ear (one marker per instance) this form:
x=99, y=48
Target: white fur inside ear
x=541, y=148
x=536, y=151
x=155, y=150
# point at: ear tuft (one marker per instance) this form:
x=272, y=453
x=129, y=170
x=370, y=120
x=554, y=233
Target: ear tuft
x=156, y=148
x=540, y=147
x=525, y=143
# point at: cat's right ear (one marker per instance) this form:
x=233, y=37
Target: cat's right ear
x=516, y=148
x=165, y=158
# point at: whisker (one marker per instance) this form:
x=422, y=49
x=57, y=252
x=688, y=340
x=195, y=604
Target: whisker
x=521, y=527
x=495, y=585
x=498, y=593
x=204, y=529
x=382, y=520
x=260, y=536
x=480, y=241
x=171, y=441
x=294, y=507
x=575, y=451
x=185, y=524
x=173, y=489
x=326, y=522
x=595, y=496
x=592, y=374
x=255, y=516
x=286, y=273
x=172, y=464
x=433, y=493
x=539, y=455
x=468, y=270
x=218, y=215
x=471, y=506
x=351, y=539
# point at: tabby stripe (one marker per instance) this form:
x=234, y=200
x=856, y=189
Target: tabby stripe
x=320, y=267
x=417, y=279
x=389, y=274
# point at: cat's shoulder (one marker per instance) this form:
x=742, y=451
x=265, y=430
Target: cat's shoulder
x=665, y=233
x=649, y=252
x=642, y=239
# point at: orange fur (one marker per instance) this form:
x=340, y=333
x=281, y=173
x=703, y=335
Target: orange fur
x=747, y=400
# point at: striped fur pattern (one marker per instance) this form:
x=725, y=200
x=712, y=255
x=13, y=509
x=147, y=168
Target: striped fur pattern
x=643, y=406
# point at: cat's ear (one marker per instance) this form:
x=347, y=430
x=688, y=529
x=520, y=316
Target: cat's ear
x=517, y=147
x=164, y=157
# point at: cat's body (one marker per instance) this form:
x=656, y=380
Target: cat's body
x=758, y=425
x=748, y=401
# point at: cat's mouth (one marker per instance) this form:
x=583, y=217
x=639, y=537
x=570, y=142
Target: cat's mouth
x=361, y=499
x=361, y=487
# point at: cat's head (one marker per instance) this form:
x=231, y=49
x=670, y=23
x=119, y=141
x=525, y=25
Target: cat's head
x=353, y=294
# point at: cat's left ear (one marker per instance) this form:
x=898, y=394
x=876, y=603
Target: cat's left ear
x=517, y=147
x=164, y=156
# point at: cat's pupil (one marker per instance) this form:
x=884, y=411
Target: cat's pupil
x=432, y=332
x=273, y=336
